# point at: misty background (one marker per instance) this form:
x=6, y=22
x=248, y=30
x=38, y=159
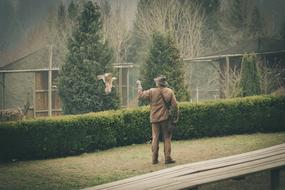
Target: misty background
x=21, y=21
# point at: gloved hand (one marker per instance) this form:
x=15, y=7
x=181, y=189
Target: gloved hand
x=139, y=85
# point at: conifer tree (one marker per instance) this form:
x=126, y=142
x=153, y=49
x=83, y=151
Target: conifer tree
x=164, y=59
x=88, y=57
x=250, y=78
x=61, y=14
x=255, y=25
x=72, y=11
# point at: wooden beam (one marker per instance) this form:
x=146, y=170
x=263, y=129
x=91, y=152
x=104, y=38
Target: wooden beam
x=50, y=84
x=275, y=179
x=128, y=86
x=3, y=91
x=227, y=74
x=28, y=70
x=123, y=66
x=34, y=96
x=42, y=111
x=207, y=58
x=121, y=85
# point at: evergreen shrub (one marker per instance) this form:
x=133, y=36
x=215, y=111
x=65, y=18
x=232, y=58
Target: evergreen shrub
x=250, y=77
x=88, y=56
x=164, y=59
x=68, y=135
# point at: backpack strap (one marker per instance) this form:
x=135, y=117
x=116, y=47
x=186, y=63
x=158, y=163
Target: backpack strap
x=165, y=103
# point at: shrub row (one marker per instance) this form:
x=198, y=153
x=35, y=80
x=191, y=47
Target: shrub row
x=67, y=135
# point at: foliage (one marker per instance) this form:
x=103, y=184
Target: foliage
x=250, y=77
x=271, y=75
x=66, y=135
x=61, y=16
x=88, y=57
x=282, y=32
x=73, y=10
x=164, y=59
x=238, y=20
x=255, y=26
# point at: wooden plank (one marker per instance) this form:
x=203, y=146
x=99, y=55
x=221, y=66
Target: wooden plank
x=41, y=114
x=56, y=113
x=41, y=111
x=193, y=180
x=41, y=90
x=41, y=81
x=223, y=173
x=196, y=167
x=41, y=101
x=179, y=170
x=200, y=167
x=56, y=104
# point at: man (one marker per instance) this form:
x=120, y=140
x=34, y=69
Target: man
x=159, y=115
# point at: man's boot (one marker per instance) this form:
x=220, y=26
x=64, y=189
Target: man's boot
x=169, y=161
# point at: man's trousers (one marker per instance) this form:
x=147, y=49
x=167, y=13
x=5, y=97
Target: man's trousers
x=157, y=128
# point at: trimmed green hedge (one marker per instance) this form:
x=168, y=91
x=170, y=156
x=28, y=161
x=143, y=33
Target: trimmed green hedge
x=67, y=135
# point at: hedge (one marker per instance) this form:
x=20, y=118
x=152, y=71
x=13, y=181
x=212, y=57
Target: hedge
x=67, y=135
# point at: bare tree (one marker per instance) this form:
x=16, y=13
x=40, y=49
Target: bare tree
x=115, y=28
x=184, y=21
x=228, y=79
x=272, y=75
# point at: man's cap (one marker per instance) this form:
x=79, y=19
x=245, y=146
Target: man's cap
x=161, y=80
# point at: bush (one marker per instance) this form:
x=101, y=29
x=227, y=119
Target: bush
x=67, y=135
x=234, y=116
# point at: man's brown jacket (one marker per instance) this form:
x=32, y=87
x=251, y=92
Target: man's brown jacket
x=158, y=109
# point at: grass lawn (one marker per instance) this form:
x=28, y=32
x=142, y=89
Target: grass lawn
x=91, y=169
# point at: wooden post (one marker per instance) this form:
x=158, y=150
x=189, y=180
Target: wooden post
x=227, y=74
x=275, y=179
x=50, y=84
x=197, y=94
x=121, y=84
x=3, y=92
x=34, y=93
x=128, y=86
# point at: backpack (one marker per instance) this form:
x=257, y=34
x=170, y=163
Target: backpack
x=174, y=112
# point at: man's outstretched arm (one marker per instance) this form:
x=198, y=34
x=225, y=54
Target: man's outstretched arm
x=144, y=94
